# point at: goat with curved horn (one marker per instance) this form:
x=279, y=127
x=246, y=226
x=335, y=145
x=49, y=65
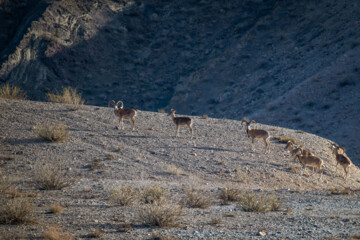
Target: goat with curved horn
x=341, y=158
x=257, y=134
x=123, y=113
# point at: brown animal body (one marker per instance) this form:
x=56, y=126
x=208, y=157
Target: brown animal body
x=310, y=161
x=257, y=134
x=342, y=159
x=123, y=113
x=293, y=149
x=181, y=122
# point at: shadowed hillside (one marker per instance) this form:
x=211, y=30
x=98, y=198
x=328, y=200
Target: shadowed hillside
x=285, y=63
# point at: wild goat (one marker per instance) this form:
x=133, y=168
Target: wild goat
x=181, y=122
x=123, y=113
x=311, y=161
x=293, y=149
x=341, y=158
x=257, y=134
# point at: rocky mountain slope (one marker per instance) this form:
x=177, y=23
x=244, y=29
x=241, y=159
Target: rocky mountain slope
x=291, y=64
x=219, y=156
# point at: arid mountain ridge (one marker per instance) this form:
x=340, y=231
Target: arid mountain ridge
x=292, y=64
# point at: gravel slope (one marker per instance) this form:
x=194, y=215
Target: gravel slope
x=212, y=160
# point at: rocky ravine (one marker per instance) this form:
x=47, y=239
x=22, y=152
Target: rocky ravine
x=218, y=156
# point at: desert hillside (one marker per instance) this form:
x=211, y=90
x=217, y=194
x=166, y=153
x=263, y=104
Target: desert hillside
x=98, y=157
x=290, y=64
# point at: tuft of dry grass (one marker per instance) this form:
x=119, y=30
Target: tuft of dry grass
x=174, y=170
x=215, y=221
x=154, y=195
x=96, y=163
x=52, y=176
x=96, y=233
x=6, y=183
x=125, y=227
x=229, y=194
x=165, y=215
x=12, y=92
x=16, y=211
x=337, y=191
x=161, y=111
x=110, y=156
x=56, y=208
x=54, y=233
x=156, y=235
x=52, y=132
x=260, y=203
x=285, y=139
x=241, y=175
x=195, y=198
x=124, y=195
x=69, y=96
x=204, y=116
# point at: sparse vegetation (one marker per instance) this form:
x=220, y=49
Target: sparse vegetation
x=69, y=96
x=174, y=170
x=52, y=132
x=124, y=195
x=165, y=215
x=337, y=191
x=241, y=175
x=215, y=221
x=54, y=233
x=52, y=176
x=259, y=203
x=204, y=116
x=6, y=183
x=229, y=194
x=96, y=233
x=16, y=211
x=110, y=156
x=284, y=139
x=12, y=92
x=154, y=195
x=195, y=198
x=56, y=208
x=96, y=163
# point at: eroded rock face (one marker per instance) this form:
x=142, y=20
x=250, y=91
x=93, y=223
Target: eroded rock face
x=287, y=64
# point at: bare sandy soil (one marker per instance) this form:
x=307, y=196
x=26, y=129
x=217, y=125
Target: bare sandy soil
x=220, y=155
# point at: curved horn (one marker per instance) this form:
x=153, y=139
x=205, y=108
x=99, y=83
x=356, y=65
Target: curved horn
x=122, y=104
x=245, y=120
x=111, y=102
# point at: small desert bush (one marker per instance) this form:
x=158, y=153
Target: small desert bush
x=52, y=176
x=54, y=233
x=165, y=215
x=229, y=194
x=174, y=170
x=124, y=195
x=6, y=183
x=56, y=208
x=154, y=195
x=195, y=198
x=69, y=96
x=16, y=211
x=52, y=132
x=241, y=175
x=260, y=203
x=96, y=233
x=215, y=221
x=284, y=139
x=12, y=92
x=96, y=163
x=337, y=191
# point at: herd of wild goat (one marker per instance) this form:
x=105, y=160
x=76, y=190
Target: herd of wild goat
x=305, y=157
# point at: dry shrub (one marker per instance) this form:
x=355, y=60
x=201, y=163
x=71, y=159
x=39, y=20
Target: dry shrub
x=154, y=195
x=6, y=183
x=96, y=163
x=96, y=233
x=56, y=208
x=284, y=139
x=215, y=221
x=16, y=211
x=174, y=170
x=161, y=111
x=241, y=175
x=337, y=191
x=124, y=195
x=52, y=176
x=156, y=235
x=54, y=233
x=229, y=194
x=52, y=132
x=12, y=92
x=125, y=227
x=165, y=215
x=69, y=96
x=260, y=203
x=110, y=156
x=195, y=198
